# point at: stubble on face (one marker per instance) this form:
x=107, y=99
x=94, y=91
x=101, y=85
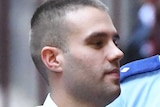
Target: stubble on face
x=86, y=81
x=84, y=78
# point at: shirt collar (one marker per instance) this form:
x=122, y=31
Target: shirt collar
x=49, y=102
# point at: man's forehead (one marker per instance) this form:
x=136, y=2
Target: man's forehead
x=86, y=13
x=90, y=21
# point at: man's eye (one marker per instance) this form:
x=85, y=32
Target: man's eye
x=97, y=44
x=116, y=41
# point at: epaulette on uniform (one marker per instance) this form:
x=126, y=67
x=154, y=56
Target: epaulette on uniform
x=140, y=66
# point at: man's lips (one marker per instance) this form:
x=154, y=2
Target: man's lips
x=114, y=73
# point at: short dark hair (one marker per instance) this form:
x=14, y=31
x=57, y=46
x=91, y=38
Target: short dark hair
x=49, y=28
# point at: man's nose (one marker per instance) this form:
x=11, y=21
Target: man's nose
x=115, y=53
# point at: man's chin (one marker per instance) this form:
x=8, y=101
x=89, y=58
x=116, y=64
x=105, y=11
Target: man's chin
x=117, y=93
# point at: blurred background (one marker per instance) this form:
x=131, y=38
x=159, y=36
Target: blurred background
x=137, y=21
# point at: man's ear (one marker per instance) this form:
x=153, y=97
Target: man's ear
x=52, y=58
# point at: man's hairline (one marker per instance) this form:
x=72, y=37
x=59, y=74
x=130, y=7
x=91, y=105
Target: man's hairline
x=64, y=20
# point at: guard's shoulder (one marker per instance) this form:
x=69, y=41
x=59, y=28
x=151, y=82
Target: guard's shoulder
x=140, y=66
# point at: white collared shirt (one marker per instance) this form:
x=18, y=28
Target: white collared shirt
x=48, y=102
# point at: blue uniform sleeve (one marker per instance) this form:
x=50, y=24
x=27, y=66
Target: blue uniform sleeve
x=140, y=84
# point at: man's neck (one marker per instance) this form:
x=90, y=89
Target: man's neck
x=63, y=100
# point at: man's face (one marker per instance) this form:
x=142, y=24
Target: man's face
x=91, y=66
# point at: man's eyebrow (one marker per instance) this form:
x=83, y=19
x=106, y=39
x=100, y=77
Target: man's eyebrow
x=96, y=35
x=101, y=35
